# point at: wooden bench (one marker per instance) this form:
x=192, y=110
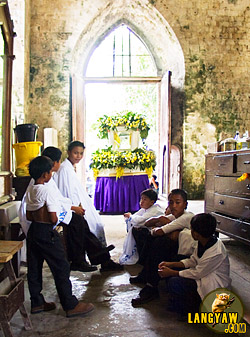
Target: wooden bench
x=11, y=296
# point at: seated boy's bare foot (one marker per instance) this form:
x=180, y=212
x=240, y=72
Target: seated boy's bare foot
x=80, y=309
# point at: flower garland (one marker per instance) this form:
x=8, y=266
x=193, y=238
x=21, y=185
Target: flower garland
x=128, y=119
x=109, y=159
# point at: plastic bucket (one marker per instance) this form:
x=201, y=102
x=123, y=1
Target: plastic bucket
x=26, y=132
x=24, y=152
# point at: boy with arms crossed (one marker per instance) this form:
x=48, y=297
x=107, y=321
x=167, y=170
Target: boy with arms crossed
x=170, y=237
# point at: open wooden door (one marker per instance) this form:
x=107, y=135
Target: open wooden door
x=165, y=133
x=7, y=35
x=175, y=167
x=78, y=118
x=78, y=109
x=7, y=40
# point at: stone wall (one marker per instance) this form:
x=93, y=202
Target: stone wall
x=214, y=37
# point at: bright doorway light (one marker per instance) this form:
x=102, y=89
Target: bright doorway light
x=121, y=54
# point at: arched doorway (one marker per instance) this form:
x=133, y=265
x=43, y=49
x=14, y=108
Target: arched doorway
x=153, y=29
x=121, y=76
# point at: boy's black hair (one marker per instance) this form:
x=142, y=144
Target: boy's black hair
x=53, y=153
x=40, y=165
x=150, y=193
x=179, y=191
x=204, y=224
x=74, y=144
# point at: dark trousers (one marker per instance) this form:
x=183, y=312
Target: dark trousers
x=184, y=295
x=44, y=244
x=80, y=240
x=161, y=248
x=153, y=250
x=142, y=238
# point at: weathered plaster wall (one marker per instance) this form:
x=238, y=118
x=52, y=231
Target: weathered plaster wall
x=214, y=38
x=61, y=43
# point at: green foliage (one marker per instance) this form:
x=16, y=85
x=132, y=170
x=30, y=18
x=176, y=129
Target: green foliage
x=194, y=181
x=109, y=159
x=128, y=119
x=143, y=99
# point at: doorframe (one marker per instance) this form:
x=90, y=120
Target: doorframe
x=79, y=116
x=164, y=143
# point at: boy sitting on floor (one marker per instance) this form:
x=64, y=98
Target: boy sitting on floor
x=206, y=270
x=168, y=226
x=164, y=243
x=148, y=209
x=44, y=244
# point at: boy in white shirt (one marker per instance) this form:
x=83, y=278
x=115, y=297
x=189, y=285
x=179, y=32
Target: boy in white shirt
x=206, y=270
x=165, y=242
x=79, y=239
x=71, y=187
x=44, y=244
x=149, y=208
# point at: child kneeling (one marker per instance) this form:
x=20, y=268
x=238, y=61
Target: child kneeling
x=44, y=244
x=206, y=270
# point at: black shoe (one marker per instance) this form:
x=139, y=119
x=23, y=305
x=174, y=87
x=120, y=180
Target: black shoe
x=102, y=251
x=83, y=266
x=110, y=265
x=146, y=295
x=137, y=279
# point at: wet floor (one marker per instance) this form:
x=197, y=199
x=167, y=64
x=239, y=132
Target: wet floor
x=111, y=293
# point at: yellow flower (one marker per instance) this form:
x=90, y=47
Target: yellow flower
x=95, y=173
x=244, y=177
x=119, y=172
x=149, y=171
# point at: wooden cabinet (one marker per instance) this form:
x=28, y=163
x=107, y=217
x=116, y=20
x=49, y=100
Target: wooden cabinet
x=225, y=197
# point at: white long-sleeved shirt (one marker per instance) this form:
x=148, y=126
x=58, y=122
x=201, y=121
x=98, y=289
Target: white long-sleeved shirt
x=179, y=223
x=71, y=187
x=139, y=218
x=185, y=240
x=211, y=271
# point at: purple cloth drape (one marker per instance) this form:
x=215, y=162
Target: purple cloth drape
x=119, y=196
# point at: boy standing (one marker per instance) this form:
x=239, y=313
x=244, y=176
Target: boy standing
x=70, y=186
x=43, y=243
x=79, y=239
x=206, y=270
